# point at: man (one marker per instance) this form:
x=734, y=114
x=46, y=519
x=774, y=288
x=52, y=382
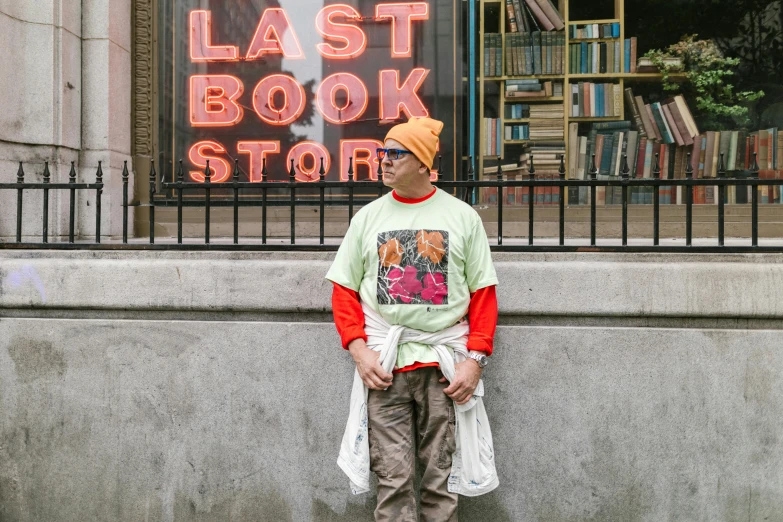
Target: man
x=419, y=258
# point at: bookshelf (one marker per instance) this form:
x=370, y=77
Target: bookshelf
x=492, y=89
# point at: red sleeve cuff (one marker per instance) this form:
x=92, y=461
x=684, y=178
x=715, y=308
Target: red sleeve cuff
x=352, y=333
x=483, y=318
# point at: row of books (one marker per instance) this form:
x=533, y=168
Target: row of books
x=515, y=111
x=669, y=121
x=493, y=144
x=593, y=100
x=516, y=132
x=610, y=141
x=533, y=15
x=535, y=53
x=589, y=31
x=532, y=88
x=602, y=57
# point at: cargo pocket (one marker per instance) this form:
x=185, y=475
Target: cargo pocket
x=377, y=464
x=448, y=443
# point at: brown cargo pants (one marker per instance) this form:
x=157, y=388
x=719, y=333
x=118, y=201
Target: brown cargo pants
x=412, y=413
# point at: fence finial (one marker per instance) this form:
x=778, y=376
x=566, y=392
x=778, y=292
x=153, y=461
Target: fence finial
x=72, y=173
x=561, y=170
x=656, y=173
x=593, y=169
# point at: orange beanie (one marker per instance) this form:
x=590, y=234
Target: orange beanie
x=420, y=136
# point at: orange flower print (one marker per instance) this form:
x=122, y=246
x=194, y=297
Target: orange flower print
x=390, y=253
x=430, y=245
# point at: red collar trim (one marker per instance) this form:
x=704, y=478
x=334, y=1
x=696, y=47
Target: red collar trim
x=410, y=201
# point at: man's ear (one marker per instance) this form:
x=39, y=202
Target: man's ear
x=423, y=169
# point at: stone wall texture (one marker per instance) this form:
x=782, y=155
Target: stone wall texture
x=211, y=387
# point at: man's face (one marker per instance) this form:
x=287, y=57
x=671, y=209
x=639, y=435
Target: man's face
x=403, y=172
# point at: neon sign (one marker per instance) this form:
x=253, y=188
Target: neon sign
x=276, y=99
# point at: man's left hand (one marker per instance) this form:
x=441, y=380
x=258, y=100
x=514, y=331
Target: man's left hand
x=466, y=378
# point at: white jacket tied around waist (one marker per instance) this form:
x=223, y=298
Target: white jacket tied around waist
x=473, y=470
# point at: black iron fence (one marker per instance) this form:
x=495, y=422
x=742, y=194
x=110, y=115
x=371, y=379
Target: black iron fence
x=465, y=189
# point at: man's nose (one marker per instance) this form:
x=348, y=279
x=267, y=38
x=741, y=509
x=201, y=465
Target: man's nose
x=386, y=160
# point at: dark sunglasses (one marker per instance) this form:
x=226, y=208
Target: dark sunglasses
x=393, y=154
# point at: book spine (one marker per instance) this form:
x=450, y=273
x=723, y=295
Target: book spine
x=634, y=110
x=536, y=11
x=512, y=16
x=632, y=63
x=551, y=13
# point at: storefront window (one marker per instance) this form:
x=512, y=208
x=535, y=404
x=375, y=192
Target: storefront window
x=263, y=80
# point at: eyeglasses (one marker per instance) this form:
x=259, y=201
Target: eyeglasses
x=393, y=154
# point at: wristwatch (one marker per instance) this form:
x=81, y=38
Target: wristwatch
x=480, y=358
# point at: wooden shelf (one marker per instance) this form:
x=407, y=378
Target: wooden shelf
x=589, y=40
x=594, y=118
x=627, y=76
x=589, y=22
x=532, y=99
x=527, y=77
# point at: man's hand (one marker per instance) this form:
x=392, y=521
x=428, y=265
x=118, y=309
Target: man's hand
x=369, y=365
x=466, y=378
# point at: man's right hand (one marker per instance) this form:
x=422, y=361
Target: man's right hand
x=369, y=365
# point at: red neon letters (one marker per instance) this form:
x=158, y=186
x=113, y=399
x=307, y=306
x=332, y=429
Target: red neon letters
x=355, y=98
x=393, y=97
x=257, y=151
x=363, y=153
x=401, y=16
x=311, y=152
x=274, y=35
x=264, y=99
x=201, y=50
x=217, y=100
x=353, y=38
x=218, y=167
x=213, y=100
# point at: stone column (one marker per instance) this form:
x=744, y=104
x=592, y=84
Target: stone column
x=106, y=109
x=41, y=117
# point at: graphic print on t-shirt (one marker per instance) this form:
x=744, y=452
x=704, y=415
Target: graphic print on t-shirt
x=413, y=267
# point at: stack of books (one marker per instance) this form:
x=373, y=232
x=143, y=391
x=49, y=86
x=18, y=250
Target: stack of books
x=533, y=89
x=546, y=122
x=593, y=100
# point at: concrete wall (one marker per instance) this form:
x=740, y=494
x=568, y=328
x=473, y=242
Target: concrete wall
x=191, y=386
x=66, y=75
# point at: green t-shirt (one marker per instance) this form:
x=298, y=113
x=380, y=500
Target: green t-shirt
x=415, y=264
